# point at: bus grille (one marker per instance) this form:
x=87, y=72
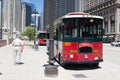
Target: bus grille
x=85, y=50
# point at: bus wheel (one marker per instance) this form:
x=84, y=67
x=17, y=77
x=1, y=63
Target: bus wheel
x=60, y=60
x=95, y=64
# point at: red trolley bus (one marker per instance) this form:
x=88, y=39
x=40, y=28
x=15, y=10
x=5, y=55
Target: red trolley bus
x=78, y=39
x=42, y=36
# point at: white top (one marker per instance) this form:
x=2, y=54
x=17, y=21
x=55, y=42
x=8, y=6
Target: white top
x=17, y=42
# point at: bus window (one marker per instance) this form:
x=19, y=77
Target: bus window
x=83, y=27
x=90, y=29
x=74, y=32
x=70, y=28
x=60, y=33
x=85, y=34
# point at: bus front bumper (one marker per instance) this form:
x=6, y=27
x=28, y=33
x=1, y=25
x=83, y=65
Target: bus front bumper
x=81, y=62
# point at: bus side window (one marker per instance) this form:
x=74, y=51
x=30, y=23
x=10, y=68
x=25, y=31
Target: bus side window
x=60, y=33
x=56, y=34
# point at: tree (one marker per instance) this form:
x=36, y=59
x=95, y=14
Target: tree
x=29, y=32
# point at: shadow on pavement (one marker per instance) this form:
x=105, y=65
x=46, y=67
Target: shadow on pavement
x=79, y=67
x=20, y=63
x=48, y=64
x=0, y=73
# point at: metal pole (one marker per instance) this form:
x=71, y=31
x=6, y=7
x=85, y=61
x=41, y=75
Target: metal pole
x=35, y=29
x=51, y=69
x=51, y=43
x=1, y=4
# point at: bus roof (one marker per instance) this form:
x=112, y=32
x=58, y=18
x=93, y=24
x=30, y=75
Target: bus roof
x=80, y=14
x=76, y=15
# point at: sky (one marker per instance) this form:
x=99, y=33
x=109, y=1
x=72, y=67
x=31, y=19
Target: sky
x=38, y=4
x=39, y=7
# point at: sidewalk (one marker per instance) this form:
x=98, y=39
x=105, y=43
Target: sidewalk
x=32, y=69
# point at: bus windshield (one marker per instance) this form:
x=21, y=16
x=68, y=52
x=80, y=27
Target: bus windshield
x=42, y=35
x=83, y=27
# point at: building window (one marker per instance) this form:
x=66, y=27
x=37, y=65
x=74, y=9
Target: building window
x=112, y=2
x=110, y=10
x=113, y=10
x=106, y=27
x=112, y=21
x=106, y=24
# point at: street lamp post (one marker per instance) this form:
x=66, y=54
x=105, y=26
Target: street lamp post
x=33, y=25
x=35, y=14
x=51, y=69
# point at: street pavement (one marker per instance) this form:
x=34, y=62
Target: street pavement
x=31, y=69
x=33, y=66
x=34, y=63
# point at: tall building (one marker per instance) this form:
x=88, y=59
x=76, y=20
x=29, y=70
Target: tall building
x=39, y=24
x=79, y=5
x=0, y=19
x=23, y=17
x=8, y=18
x=17, y=15
x=12, y=18
x=41, y=21
x=110, y=10
x=27, y=9
x=46, y=14
x=61, y=7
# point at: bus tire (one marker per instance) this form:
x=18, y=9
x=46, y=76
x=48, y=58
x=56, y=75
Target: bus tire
x=60, y=60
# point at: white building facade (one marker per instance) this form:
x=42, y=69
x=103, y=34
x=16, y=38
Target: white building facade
x=23, y=17
x=0, y=19
x=12, y=18
x=110, y=10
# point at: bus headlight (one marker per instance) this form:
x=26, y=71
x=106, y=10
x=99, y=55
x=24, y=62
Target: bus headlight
x=95, y=58
x=71, y=56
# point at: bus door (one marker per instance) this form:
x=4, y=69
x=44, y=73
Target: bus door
x=58, y=41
